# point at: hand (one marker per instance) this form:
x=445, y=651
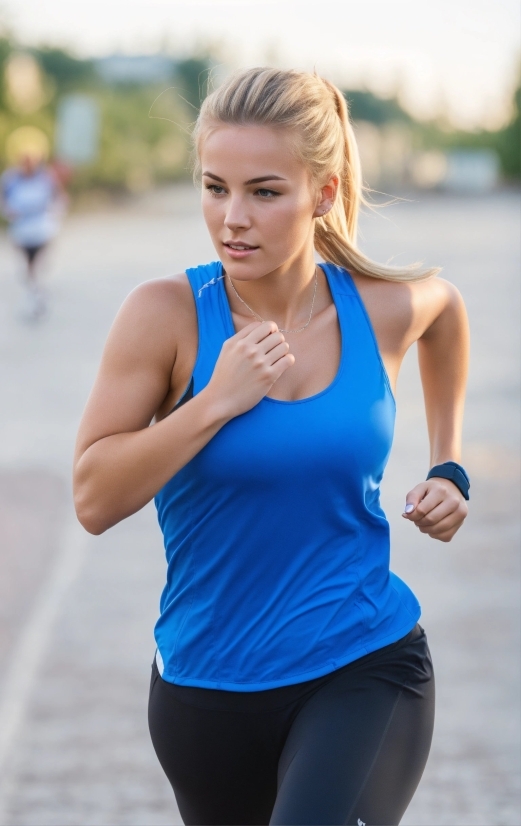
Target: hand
x=249, y=364
x=437, y=508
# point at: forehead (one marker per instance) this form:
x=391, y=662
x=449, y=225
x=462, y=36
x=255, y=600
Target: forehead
x=250, y=151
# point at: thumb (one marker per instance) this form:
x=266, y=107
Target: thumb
x=413, y=498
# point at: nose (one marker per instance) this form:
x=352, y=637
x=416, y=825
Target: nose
x=236, y=215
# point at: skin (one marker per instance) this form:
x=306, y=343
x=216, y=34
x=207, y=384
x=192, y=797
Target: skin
x=121, y=462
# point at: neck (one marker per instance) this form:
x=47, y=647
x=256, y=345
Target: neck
x=283, y=295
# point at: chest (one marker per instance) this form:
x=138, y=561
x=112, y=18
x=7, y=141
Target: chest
x=317, y=351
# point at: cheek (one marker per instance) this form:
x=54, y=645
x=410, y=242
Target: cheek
x=212, y=213
x=289, y=223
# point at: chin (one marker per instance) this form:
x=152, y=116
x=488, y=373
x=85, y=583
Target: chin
x=243, y=270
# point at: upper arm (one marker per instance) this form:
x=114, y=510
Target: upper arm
x=135, y=373
x=443, y=345
x=429, y=312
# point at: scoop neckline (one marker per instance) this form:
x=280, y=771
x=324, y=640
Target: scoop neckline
x=232, y=331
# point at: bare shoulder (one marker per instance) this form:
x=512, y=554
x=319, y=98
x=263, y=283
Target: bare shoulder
x=440, y=308
x=402, y=311
x=159, y=298
x=155, y=315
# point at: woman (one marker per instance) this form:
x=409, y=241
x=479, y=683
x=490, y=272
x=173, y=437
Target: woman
x=33, y=201
x=292, y=683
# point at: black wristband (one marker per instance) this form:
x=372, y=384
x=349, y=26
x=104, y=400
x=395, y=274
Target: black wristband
x=454, y=472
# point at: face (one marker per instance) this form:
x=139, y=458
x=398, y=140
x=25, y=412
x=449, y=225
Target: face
x=258, y=200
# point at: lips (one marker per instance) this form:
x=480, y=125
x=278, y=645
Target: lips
x=239, y=246
x=238, y=250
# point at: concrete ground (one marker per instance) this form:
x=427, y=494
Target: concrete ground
x=76, y=612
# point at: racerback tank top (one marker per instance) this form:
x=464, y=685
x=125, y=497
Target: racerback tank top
x=276, y=544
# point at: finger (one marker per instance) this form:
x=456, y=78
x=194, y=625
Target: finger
x=281, y=365
x=264, y=329
x=278, y=352
x=271, y=341
x=429, y=502
x=445, y=508
x=245, y=332
x=446, y=524
x=413, y=498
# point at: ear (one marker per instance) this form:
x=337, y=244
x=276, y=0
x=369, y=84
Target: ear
x=326, y=197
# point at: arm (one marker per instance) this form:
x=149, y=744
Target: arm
x=120, y=461
x=437, y=506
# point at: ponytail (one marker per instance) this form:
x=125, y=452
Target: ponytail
x=316, y=111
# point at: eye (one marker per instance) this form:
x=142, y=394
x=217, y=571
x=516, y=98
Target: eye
x=215, y=189
x=267, y=193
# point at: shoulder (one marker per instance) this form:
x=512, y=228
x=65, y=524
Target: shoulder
x=159, y=297
x=154, y=316
x=440, y=308
x=404, y=311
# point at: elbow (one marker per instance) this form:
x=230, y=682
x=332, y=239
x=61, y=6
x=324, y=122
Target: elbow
x=89, y=513
x=90, y=520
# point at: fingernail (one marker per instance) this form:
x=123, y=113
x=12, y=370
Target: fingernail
x=409, y=508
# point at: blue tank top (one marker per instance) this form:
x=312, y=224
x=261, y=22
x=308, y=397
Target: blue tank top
x=276, y=544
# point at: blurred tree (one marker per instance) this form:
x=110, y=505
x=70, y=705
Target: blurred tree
x=67, y=71
x=509, y=140
x=193, y=75
x=369, y=107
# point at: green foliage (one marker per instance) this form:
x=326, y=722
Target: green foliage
x=366, y=106
x=67, y=72
x=506, y=142
x=135, y=150
x=193, y=75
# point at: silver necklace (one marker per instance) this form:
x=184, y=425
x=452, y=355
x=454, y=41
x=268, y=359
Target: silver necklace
x=299, y=329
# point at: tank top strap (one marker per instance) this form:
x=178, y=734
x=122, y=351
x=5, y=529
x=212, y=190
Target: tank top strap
x=359, y=343
x=213, y=318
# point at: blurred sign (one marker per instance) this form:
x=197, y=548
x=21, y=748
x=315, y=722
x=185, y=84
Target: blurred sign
x=77, y=129
x=141, y=69
x=459, y=170
x=471, y=170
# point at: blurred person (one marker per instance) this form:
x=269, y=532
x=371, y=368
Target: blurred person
x=33, y=202
x=292, y=683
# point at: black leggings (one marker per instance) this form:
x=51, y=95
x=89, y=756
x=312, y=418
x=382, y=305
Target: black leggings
x=346, y=748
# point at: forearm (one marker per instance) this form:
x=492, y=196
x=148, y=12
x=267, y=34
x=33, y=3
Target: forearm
x=445, y=428
x=444, y=394
x=119, y=474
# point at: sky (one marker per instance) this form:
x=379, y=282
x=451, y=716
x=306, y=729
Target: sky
x=460, y=57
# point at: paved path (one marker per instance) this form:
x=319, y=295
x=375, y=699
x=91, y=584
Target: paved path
x=76, y=612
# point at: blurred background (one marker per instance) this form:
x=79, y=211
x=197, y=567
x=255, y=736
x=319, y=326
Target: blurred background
x=100, y=96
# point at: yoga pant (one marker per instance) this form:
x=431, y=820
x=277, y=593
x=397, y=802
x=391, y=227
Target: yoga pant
x=346, y=748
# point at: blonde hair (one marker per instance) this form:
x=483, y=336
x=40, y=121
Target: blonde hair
x=316, y=113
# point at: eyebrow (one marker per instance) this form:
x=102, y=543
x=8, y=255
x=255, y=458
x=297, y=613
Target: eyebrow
x=260, y=180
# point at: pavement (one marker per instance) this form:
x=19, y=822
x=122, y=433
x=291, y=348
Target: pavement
x=77, y=612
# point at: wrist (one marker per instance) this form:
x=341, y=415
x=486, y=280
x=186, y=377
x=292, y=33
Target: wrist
x=455, y=473
x=216, y=409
